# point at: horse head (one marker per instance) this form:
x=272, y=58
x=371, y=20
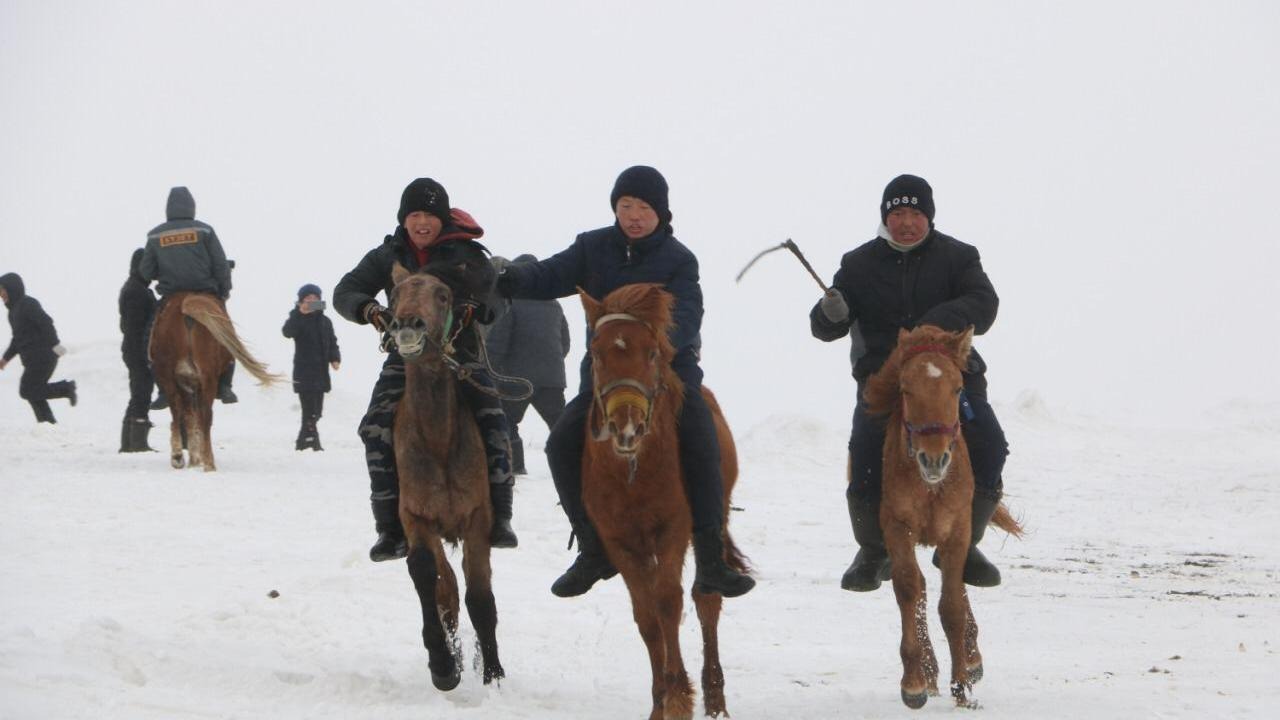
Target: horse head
x=631, y=361
x=923, y=377
x=422, y=316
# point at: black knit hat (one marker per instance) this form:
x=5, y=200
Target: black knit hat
x=907, y=191
x=644, y=183
x=309, y=289
x=427, y=195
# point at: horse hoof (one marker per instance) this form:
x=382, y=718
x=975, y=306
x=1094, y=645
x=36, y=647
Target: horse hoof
x=975, y=673
x=915, y=701
x=177, y=462
x=445, y=683
x=495, y=673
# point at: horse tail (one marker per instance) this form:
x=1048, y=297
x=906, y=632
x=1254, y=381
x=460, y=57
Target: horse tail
x=733, y=557
x=207, y=311
x=1004, y=520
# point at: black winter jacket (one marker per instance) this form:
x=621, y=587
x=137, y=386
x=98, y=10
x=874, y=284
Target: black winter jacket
x=33, y=333
x=184, y=253
x=531, y=340
x=314, y=347
x=137, y=309
x=940, y=282
x=601, y=261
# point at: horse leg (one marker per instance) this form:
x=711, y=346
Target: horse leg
x=908, y=589
x=445, y=673
x=176, y=458
x=708, y=606
x=957, y=618
x=481, y=607
x=205, y=411
x=669, y=596
x=638, y=578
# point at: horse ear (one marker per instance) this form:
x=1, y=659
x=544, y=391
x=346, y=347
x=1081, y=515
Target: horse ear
x=593, y=309
x=398, y=273
x=966, y=344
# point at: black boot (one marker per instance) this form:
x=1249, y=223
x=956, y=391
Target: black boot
x=517, y=457
x=126, y=441
x=978, y=570
x=591, y=564
x=870, y=566
x=71, y=392
x=138, y=431
x=502, y=536
x=713, y=574
x=225, y=393
x=161, y=402
x=391, y=543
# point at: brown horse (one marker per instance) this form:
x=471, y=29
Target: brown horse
x=633, y=488
x=192, y=343
x=444, y=480
x=927, y=493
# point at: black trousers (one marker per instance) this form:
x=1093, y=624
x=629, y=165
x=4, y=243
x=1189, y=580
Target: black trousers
x=699, y=454
x=34, y=386
x=988, y=447
x=312, y=403
x=141, y=383
x=547, y=401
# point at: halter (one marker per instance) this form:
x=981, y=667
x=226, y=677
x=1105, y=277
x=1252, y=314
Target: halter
x=952, y=430
x=624, y=392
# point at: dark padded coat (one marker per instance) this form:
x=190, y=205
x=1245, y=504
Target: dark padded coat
x=940, y=282
x=184, y=253
x=137, y=309
x=601, y=261
x=314, y=347
x=33, y=333
x=530, y=340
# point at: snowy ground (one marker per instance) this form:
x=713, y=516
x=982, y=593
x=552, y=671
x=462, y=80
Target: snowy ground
x=1146, y=586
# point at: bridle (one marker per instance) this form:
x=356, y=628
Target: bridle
x=952, y=430
x=623, y=392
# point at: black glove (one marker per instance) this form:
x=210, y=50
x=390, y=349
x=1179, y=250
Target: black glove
x=377, y=316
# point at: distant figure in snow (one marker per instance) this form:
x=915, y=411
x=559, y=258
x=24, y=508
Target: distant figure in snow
x=184, y=254
x=137, y=311
x=315, y=350
x=911, y=274
x=530, y=340
x=35, y=341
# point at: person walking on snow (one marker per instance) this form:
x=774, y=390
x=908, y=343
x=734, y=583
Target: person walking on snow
x=35, y=342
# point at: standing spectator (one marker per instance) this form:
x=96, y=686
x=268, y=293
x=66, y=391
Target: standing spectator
x=185, y=255
x=531, y=340
x=315, y=350
x=35, y=341
x=137, y=311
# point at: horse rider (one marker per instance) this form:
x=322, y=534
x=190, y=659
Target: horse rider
x=638, y=247
x=530, y=340
x=35, y=342
x=911, y=274
x=137, y=311
x=184, y=255
x=430, y=234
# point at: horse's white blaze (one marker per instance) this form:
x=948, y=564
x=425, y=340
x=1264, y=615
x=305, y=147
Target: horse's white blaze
x=620, y=342
x=932, y=370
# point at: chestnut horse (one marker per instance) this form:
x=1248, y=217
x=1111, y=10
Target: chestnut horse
x=444, y=480
x=633, y=487
x=192, y=342
x=927, y=495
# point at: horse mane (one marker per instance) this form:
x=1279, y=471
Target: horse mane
x=883, y=388
x=652, y=305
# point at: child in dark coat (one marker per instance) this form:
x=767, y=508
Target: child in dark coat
x=315, y=350
x=35, y=341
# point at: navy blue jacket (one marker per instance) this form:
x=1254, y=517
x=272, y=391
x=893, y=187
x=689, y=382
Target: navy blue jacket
x=314, y=347
x=33, y=333
x=940, y=282
x=601, y=261
x=184, y=253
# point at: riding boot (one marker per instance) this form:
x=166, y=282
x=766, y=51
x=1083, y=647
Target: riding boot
x=138, y=431
x=501, y=535
x=870, y=566
x=225, y=393
x=590, y=566
x=713, y=574
x=126, y=437
x=161, y=402
x=978, y=570
x=315, y=437
x=391, y=543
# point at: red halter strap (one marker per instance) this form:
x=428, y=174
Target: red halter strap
x=928, y=428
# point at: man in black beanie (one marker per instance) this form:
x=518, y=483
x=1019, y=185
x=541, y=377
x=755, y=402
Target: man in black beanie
x=945, y=286
x=638, y=248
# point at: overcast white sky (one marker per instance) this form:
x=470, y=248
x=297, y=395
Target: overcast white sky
x=1114, y=162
